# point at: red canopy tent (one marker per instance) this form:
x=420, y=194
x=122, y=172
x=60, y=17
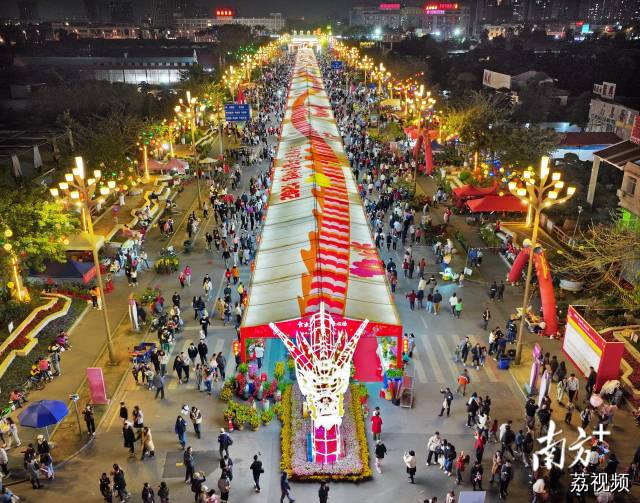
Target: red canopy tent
x=506, y=203
x=156, y=165
x=473, y=191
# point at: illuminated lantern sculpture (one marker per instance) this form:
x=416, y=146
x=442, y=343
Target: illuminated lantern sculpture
x=322, y=353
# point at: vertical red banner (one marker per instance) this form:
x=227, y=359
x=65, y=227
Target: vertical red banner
x=97, y=389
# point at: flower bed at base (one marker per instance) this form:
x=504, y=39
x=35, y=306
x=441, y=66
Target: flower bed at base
x=353, y=467
x=18, y=372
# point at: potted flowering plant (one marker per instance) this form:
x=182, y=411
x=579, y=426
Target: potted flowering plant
x=278, y=372
x=254, y=420
x=291, y=367
x=266, y=416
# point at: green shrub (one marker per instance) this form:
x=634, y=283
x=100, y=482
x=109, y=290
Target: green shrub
x=489, y=237
x=278, y=372
x=167, y=265
x=243, y=368
x=254, y=419
x=277, y=410
x=226, y=393
x=267, y=416
x=148, y=296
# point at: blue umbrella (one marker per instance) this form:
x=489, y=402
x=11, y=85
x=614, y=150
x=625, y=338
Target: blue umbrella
x=43, y=413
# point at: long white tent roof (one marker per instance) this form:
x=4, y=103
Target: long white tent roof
x=316, y=245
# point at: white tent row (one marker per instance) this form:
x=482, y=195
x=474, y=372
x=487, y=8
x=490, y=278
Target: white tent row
x=316, y=245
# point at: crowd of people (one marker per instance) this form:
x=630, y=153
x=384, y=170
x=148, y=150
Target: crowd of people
x=397, y=227
x=236, y=216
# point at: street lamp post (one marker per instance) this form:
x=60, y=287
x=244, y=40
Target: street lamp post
x=537, y=194
x=189, y=110
x=19, y=290
x=573, y=237
x=79, y=190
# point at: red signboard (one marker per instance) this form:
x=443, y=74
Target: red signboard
x=635, y=131
x=439, y=8
x=97, y=390
x=224, y=13
x=389, y=6
x=586, y=348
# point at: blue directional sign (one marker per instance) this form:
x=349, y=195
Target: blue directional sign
x=337, y=65
x=236, y=112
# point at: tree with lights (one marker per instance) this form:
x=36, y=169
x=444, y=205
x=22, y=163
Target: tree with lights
x=39, y=226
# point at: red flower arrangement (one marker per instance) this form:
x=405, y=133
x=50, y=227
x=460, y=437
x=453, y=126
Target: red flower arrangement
x=21, y=340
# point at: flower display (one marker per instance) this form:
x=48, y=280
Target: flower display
x=353, y=466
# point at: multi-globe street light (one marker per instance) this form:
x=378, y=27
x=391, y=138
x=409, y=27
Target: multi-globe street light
x=540, y=191
x=79, y=191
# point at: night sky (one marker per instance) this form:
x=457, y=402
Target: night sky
x=319, y=10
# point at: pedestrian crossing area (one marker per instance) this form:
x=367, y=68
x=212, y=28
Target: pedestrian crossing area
x=433, y=358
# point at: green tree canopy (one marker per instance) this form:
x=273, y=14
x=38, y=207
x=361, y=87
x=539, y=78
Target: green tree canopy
x=39, y=225
x=520, y=147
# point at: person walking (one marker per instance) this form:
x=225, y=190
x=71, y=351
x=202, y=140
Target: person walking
x=411, y=297
x=486, y=317
x=591, y=382
x=571, y=386
x=147, y=443
x=459, y=307
x=463, y=381
x=163, y=492
x=129, y=437
x=189, y=465
x=256, y=471
x=433, y=445
x=380, y=451
x=180, y=430
x=224, y=442
x=409, y=459
x=376, y=425
x=461, y=463
x=119, y=483
x=13, y=431
x=479, y=446
x=465, y=346
x=148, y=496
x=453, y=300
x=446, y=403
x=506, y=474
x=158, y=384
x=496, y=466
x=89, y=420
x=437, y=299
x=285, y=488
x=33, y=472
x=105, y=488
x=224, y=486
x=196, y=419
x=4, y=463
x=476, y=476
x=323, y=492
x=203, y=350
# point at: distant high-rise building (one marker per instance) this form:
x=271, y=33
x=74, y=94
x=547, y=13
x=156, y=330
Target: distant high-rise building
x=610, y=11
x=121, y=11
x=539, y=10
x=519, y=9
x=185, y=8
x=95, y=10
x=565, y=10
x=28, y=10
x=163, y=11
